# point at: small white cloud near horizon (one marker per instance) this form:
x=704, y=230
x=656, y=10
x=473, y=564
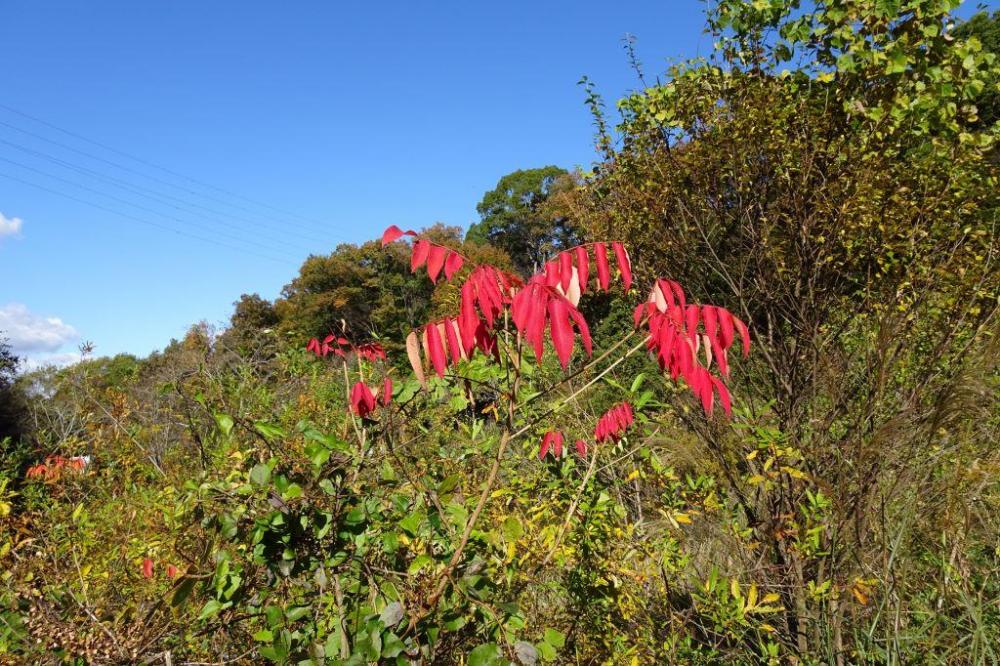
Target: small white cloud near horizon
x=10, y=226
x=38, y=361
x=27, y=332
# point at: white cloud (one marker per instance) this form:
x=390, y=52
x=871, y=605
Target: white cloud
x=28, y=332
x=10, y=226
x=45, y=360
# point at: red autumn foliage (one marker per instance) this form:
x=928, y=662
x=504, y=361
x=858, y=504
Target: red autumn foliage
x=676, y=340
x=445, y=343
x=386, y=396
x=551, y=441
x=54, y=467
x=331, y=344
x=549, y=300
x=427, y=253
x=678, y=333
x=613, y=424
x=362, y=400
x=148, y=566
x=538, y=306
x=569, y=271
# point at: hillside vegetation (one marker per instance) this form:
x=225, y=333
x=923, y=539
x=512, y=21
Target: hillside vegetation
x=731, y=396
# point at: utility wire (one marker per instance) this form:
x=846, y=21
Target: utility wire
x=164, y=227
x=150, y=193
x=298, y=249
x=156, y=166
x=133, y=204
x=128, y=169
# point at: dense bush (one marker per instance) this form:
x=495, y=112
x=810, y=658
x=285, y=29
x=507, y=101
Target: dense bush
x=466, y=466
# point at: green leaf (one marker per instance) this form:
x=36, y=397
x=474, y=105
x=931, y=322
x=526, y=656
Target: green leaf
x=297, y=613
x=484, y=655
x=418, y=563
x=512, y=529
x=555, y=638
x=268, y=431
x=225, y=423
x=211, y=607
x=547, y=651
x=392, y=645
x=260, y=474
x=411, y=524
x=182, y=592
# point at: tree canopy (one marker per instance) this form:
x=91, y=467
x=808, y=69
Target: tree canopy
x=513, y=217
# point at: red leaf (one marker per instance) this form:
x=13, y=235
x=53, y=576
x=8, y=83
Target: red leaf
x=386, y=391
x=581, y=325
x=313, y=346
x=691, y=321
x=452, y=264
x=614, y=422
x=704, y=390
x=147, y=568
x=419, y=256
x=726, y=327
x=552, y=440
x=468, y=321
x=565, y=270
x=436, y=350
x=531, y=302
x=561, y=330
x=744, y=336
x=454, y=347
x=552, y=277
x=362, y=399
x=435, y=261
x=582, y=266
x=724, y=397
x=624, y=264
x=581, y=448
x=603, y=269
x=171, y=571
x=393, y=233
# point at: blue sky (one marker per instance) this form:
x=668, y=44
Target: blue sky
x=277, y=130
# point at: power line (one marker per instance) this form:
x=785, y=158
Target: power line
x=154, y=165
x=297, y=248
x=128, y=169
x=141, y=220
x=129, y=203
x=140, y=190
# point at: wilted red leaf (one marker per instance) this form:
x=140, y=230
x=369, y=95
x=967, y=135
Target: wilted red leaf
x=413, y=354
